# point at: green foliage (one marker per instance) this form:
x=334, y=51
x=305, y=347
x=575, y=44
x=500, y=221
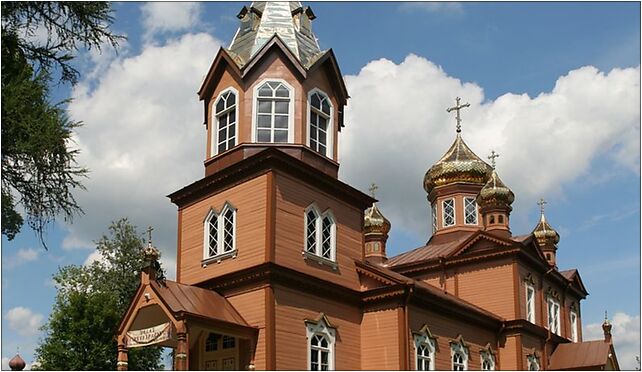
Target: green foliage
x=91, y=300
x=39, y=170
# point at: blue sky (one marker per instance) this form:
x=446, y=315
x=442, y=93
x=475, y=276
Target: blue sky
x=554, y=87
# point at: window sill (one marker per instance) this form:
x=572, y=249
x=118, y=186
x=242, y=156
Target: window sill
x=320, y=260
x=218, y=258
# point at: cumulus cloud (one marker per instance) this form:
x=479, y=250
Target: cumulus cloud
x=23, y=320
x=159, y=17
x=626, y=337
x=22, y=256
x=143, y=138
x=545, y=142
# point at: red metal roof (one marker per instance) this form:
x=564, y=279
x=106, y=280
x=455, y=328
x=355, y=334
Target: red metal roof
x=432, y=250
x=580, y=355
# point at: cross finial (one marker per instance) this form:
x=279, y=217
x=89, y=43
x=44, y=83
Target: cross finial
x=458, y=107
x=493, y=155
x=606, y=316
x=149, y=235
x=541, y=204
x=373, y=188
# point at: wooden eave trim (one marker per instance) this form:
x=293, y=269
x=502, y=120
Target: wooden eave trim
x=474, y=238
x=434, y=263
x=371, y=275
x=245, y=329
x=382, y=293
x=373, y=272
x=221, y=56
x=518, y=326
x=267, y=160
x=131, y=308
x=275, y=40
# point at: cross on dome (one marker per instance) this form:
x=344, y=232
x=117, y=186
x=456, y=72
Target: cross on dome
x=149, y=235
x=457, y=108
x=493, y=155
x=541, y=204
x=373, y=188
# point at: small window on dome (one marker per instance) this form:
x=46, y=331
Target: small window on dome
x=491, y=220
x=448, y=208
x=500, y=219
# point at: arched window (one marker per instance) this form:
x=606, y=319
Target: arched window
x=459, y=355
x=321, y=339
x=533, y=362
x=320, y=128
x=320, y=233
x=224, y=131
x=554, y=315
x=448, y=210
x=487, y=359
x=573, y=316
x=273, y=112
x=425, y=347
x=219, y=233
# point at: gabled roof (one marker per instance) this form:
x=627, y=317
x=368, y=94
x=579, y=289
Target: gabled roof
x=583, y=355
x=573, y=276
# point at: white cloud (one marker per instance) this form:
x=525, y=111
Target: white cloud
x=441, y=7
x=143, y=138
x=94, y=257
x=546, y=142
x=169, y=16
x=626, y=337
x=23, y=320
x=23, y=255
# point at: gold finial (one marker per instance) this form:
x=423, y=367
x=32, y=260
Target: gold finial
x=493, y=155
x=373, y=188
x=541, y=203
x=149, y=236
x=457, y=108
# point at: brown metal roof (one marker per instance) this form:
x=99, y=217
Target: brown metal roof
x=198, y=302
x=434, y=249
x=568, y=274
x=580, y=355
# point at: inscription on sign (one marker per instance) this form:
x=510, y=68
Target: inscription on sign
x=149, y=336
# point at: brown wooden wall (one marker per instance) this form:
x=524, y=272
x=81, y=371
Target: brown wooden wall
x=251, y=306
x=292, y=198
x=508, y=355
x=488, y=285
x=446, y=329
x=380, y=340
x=249, y=199
x=293, y=308
x=530, y=344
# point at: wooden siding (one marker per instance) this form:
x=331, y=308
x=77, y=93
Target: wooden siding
x=489, y=285
x=249, y=199
x=508, y=354
x=292, y=198
x=293, y=308
x=226, y=81
x=380, y=340
x=445, y=329
x=251, y=306
x=530, y=344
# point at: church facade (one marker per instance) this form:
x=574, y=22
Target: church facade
x=280, y=265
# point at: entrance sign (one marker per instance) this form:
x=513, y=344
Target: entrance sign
x=149, y=336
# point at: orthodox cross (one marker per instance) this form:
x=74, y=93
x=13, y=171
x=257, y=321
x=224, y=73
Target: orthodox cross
x=541, y=203
x=493, y=155
x=457, y=108
x=149, y=235
x=372, y=189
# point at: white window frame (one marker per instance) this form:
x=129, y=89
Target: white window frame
x=329, y=147
x=434, y=217
x=255, y=98
x=443, y=213
x=220, y=240
x=574, y=328
x=317, y=252
x=215, y=124
x=425, y=339
x=486, y=355
x=323, y=329
x=461, y=349
x=530, y=308
x=554, y=316
x=533, y=362
x=466, y=199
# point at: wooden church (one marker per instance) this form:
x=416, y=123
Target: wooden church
x=280, y=265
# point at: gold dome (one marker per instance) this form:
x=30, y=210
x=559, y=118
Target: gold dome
x=495, y=192
x=544, y=233
x=375, y=222
x=459, y=164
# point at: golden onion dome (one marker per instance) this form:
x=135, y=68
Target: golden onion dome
x=375, y=222
x=495, y=192
x=544, y=233
x=459, y=164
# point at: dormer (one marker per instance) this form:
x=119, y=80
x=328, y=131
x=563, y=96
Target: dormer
x=273, y=87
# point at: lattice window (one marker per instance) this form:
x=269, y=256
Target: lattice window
x=321, y=341
x=326, y=237
x=320, y=234
x=229, y=342
x=533, y=362
x=225, y=129
x=530, y=303
x=470, y=211
x=311, y=231
x=211, y=234
x=434, y=218
x=272, y=112
x=320, y=110
x=228, y=231
x=220, y=233
x=211, y=343
x=319, y=353
x=425, y=350
x=459, y=354
x=448, y=210
x=487, y=360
